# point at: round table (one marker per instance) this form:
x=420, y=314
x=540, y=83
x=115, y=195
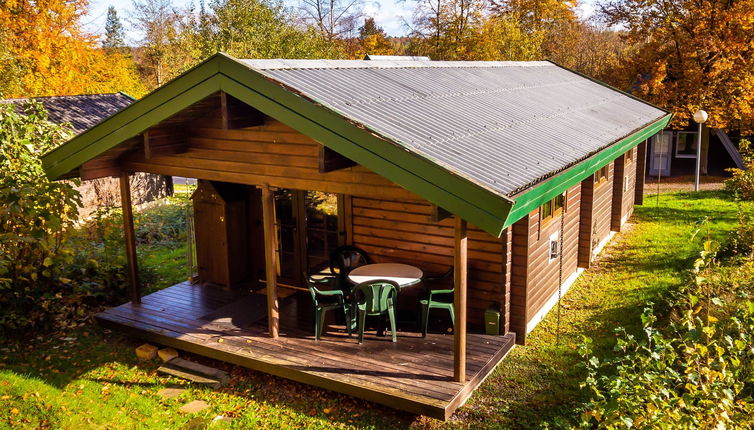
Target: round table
x=404, y=275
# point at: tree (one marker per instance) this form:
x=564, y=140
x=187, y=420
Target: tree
x=52, y=55
x=158, y=21
x=115, y=37
x=502, y=38
x=36, y=214
x=444, y=29
x=333, y=18
x=373, y=40
x=690, y=54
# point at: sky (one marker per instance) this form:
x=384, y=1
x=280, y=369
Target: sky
x=389, y=14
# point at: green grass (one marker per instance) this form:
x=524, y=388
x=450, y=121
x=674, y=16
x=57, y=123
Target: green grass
x=89, y=377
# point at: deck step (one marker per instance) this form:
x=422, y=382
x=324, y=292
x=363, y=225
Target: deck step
x=195, y=372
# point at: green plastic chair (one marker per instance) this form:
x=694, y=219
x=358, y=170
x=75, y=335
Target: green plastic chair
x=437, y=299
x=373, y=298
x=326, y=301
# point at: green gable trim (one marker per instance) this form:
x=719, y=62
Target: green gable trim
x=547, y=190
x=221, y=73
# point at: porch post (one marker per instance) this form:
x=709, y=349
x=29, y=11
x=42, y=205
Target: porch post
x=268, y=218
x=130, y=237
x=641, y=169
x=459, y=301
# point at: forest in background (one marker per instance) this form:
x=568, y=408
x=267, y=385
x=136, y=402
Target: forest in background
x=679, y=54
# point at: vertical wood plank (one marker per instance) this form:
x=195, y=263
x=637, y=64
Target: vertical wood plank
x=459, y=300
x=268, y=222
x=224, y=110
x=147, y=146
x=130, y=237
x=641, y=169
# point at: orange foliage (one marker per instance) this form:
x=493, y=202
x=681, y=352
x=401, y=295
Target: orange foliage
x=691, y=54
x=56, y=56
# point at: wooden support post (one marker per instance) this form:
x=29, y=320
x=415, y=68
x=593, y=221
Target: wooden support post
x=224, y=118
x=459, y=301
x=130, y=236
x=641, y=169
x=268, y=221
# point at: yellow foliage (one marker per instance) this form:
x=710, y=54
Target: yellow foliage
x=56, y=56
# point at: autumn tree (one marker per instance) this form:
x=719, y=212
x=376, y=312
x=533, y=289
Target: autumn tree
x=54, y=55
x=373, y=40
x=445, y=29
x=691, y=54
x=502, y=38
x=115, y=35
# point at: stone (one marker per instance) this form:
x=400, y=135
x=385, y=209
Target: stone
x=169, y=393
x=195, y=372
x=167, y=354
x=146, y=352
x=194, y=406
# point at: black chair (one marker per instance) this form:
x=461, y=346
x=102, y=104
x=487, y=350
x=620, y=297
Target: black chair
x=342, y=261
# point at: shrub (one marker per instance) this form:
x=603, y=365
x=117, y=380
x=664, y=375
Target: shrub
x=696, y=371
x=34, y=214
x=742, y=181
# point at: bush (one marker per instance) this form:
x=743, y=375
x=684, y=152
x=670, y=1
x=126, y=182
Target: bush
x=35, y=214
x=697, y=371
x=742, y=181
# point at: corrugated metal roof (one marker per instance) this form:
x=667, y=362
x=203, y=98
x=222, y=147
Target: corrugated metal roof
x=502, y=125
x=81, y=111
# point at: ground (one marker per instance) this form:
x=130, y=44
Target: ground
x=89, y=377
x=682, y=183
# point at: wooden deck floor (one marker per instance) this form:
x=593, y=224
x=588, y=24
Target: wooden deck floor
x=413, y=374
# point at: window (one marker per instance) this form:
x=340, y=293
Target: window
x=685, y=144
x=626, y=183
x=552, y=208
x=600, y=176
x=629, y=157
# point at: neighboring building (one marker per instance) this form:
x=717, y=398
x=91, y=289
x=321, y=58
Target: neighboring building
x=514, y=173
x=673, y=153
x=82, y=112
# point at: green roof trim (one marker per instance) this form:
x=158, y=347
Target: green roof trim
x=549, y=189
x=485, y=209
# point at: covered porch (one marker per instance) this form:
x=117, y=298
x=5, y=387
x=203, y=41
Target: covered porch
x=414, y=374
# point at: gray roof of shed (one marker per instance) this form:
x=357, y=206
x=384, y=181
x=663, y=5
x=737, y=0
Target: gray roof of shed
x=502, y=125
x=81, y=111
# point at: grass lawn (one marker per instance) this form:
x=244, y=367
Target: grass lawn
x=89, y=378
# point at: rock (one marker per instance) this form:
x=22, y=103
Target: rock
x=146, y=352
x=169, y=393
x=195, y=372
x=194, y=406
x=167, y=354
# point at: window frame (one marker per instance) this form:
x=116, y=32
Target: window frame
x=554, y=210
x=599, y=178
x=628, y=157
x=677, y=141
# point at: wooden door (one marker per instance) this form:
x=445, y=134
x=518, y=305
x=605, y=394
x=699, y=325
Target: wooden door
x=211, y=241
x=660, y=153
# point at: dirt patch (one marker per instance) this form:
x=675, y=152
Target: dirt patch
x=682, y=183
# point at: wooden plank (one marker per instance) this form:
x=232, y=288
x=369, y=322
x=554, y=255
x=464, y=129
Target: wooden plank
x=130, y=238
x=268, y=221
x=330, y=160
x=459, y=300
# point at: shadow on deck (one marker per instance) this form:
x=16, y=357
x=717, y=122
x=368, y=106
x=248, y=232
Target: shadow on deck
x=414, y=374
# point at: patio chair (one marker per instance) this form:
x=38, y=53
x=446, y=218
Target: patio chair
x=437, y=299
x=324, y=301
x=375, y=298
x=342, y=261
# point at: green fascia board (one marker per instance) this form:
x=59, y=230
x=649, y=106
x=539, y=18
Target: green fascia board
x=549, y=189
x=222, y=73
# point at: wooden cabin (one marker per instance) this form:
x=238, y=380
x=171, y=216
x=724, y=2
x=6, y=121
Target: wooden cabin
x=514, y=173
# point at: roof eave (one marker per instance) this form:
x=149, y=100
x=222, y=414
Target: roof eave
x=535, y=196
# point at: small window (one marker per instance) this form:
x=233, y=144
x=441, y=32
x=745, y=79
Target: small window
x=600, y=176
x=626, y=183
x=629, y=157
x=685, y=145
x=551, y=208
x=554, y=247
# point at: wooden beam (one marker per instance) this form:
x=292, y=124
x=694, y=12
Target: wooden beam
x=268, y=222
x=147, y=148
x=438, y=214
x=330, y=161
x=224, y=110
x=459, y=300
x=130, y=237
x=641, y=170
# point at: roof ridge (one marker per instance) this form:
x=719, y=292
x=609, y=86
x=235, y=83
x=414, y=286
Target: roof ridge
x=64, y=96
x=300, y=64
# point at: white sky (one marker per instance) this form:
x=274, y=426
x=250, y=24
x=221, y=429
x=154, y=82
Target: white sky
x=389, y=14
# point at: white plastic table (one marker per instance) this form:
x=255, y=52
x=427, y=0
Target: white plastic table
x=404, y=275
